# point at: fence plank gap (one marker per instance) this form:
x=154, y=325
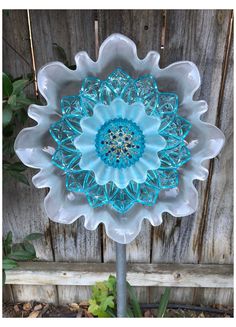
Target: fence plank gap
x=163, y=30
x=32, y=54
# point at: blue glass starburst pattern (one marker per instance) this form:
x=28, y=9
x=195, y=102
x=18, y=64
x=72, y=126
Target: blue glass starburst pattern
x=120, y=143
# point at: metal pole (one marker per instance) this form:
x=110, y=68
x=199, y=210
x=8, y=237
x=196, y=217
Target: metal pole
x=121, y=280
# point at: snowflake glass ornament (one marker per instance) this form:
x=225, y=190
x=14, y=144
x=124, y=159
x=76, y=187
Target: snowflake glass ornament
x=119, y=140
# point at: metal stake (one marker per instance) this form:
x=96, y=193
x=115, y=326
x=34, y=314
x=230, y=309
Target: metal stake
x=121, y=280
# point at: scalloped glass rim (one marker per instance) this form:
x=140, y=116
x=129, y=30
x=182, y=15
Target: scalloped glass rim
x=34, y=148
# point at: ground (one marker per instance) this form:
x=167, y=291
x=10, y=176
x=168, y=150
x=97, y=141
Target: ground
x=78, y=310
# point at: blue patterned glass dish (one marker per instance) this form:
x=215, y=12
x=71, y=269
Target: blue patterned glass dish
x=120, y=141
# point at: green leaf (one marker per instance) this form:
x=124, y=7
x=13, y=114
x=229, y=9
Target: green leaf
x=61, y=53
x=16, y=106
x=102, y=302
x=102, y=287
x=6, y=116
x=12, y=101
x=19, y=85
x=8, y=264
x=6, y=85
x=7, y=243
x=111, y=283
x=3, y=277
x=164, y=302
x=17, y=247
x=33, y=236
x=93, y=307
x=24, y=101
x=21, y=255
x=6, y=12
x=100, y=291
x=8, y=239
x=111, y=313
x=20, y=177
x=107, y=302
x=134, y=302
x=29, y=248
x=103, y=314
x=16, y=166
x=129, y=312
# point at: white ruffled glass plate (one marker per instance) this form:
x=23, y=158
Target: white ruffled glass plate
x=35, y=146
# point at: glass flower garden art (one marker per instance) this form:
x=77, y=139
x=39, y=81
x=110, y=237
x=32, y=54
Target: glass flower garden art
x=119, y=140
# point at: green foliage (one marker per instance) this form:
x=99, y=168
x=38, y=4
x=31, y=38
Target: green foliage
x=135, y=307
x=62, y=56
x=33, y=237
x=7, y=86
x=15, y=170
x=14, y=105
x=14, y=252
x=103, y=301
x=6, y=12
x=163, y=303
x=7, y=243
x=14, y=98
x=8, y=264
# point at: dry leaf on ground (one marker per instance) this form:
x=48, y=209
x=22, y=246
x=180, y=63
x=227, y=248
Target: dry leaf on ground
x=83, y=304
x=16, y=308
x=34, y=314
x=27, y=306
x=201, y=315
x=88, y=314
x=74, y=306
x=38, y=307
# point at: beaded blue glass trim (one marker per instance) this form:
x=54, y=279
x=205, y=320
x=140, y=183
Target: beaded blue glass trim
x=173, y=128
x=120, y=143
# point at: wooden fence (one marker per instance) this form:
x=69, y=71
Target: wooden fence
x=199, y=248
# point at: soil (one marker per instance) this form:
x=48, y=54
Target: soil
x=80, y=310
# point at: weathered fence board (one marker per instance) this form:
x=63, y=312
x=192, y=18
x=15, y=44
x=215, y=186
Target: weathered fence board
x=70, y=242
x=71, y=30
x=138, y=274
x=142, y=26
x=200, y=28
x=220, y=202
x=23, y=206
x=201, y=36
x=16, y=47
